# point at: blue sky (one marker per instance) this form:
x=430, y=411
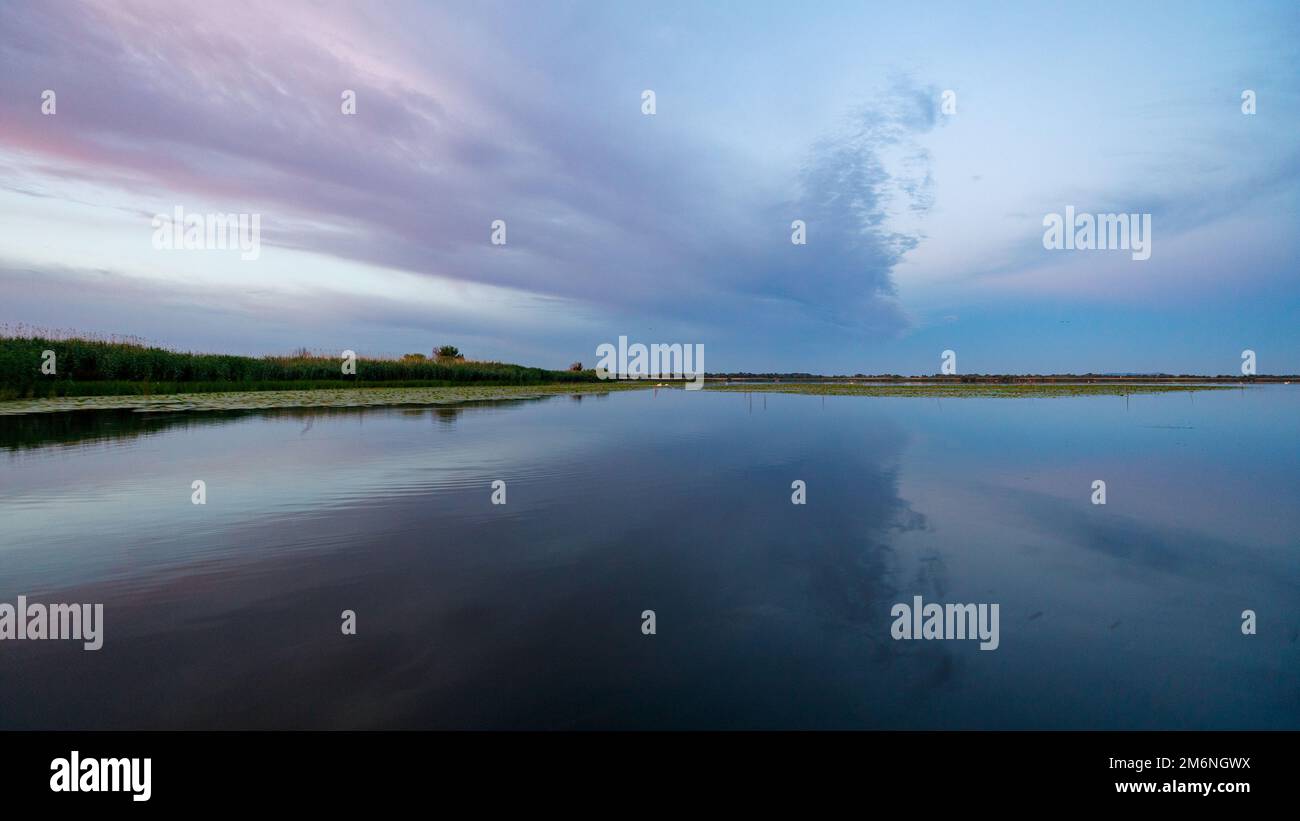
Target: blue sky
x=924, y=227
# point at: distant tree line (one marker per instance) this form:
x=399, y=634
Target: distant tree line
x=76, y=363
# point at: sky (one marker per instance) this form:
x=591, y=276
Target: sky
x=922, y=146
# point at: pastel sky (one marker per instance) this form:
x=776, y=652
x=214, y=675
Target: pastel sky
x=924, y=228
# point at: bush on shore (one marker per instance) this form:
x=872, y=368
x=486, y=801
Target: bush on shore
x=87, y=366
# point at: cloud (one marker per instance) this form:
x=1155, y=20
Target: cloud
x=239, y=105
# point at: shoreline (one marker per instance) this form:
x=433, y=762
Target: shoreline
x=965, y=390
x=390, y=396
x=350, y=397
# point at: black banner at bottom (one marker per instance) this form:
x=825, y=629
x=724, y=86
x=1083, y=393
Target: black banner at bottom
x=334, y=770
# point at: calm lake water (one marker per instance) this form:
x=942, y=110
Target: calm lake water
x=768, y=614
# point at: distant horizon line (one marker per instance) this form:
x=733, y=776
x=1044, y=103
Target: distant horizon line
x=973, y=377
x=20, y=330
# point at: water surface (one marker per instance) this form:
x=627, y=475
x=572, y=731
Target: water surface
x=769, y=614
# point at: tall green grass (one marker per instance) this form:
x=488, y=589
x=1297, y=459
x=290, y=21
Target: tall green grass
x=93, y=367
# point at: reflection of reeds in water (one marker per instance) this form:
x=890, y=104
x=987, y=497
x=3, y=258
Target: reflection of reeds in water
x=335, y=398
x=37, y=430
